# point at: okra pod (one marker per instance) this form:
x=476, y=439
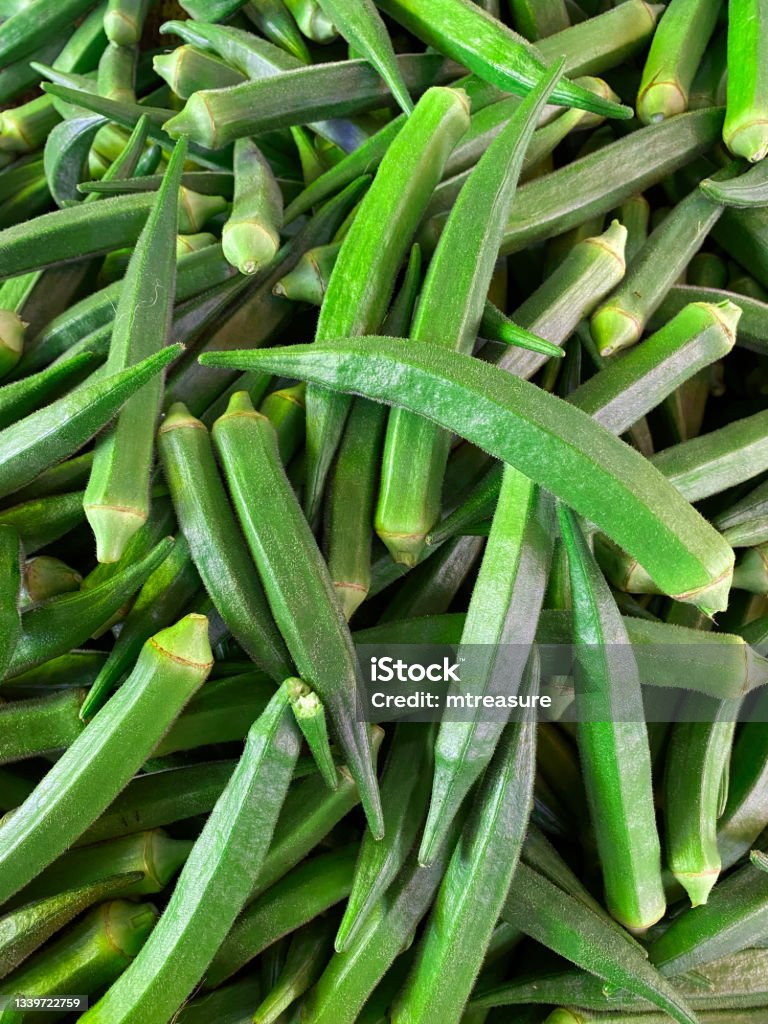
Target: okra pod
x=310, y=717
x=746, y=112
x=251, y=237
x=124, y=20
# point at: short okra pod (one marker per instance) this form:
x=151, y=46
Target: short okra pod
x=361, y=25
x=251, y=237
x=613, y=742
x=248, y=53
x=117, y=73
x=215, y=881
x=405, y=784
x=677, y=547
x=621, y=320
x=307, y=955
x=273, y=20
x=124, y=20
x=746, y=112
x=310, y=717
x=215, y=541
x=63, y=623
x=461, y=30
x=677, y=47
x=378, y=240
x=117, y=496
x=307, y=891
x=89, y=955
x=476, y=880
x=46, y=577
x=24, y=129
x=23, y=930
x=308, y=615
x=171, y=667
x=634, y=213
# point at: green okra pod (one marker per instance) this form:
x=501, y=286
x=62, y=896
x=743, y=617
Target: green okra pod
x=171, y=666
x=361, y=25
x=677, y=47
x=308, y=616
x=377, y=241
x=745, y=523
x=215, y=118
x=216, y=544
x=520, y=541
x=745, y=131
x=187, y=70
x=251, y=237
x=87, y=956
x=463, y=31
x=33, y=24
x=299, y=897
x=746, y=814
x=24, y=396
x=449, y=312
x=117, y=496
x=621, y=320
x=273, y=19
x=221, y=868
x=307, y=955
x=745, y=191
x=405, y=785
x=11, y=340
x=613, y=742
x=476, y=880
x=45, y=577
x=117, y=73
x=310, y=717
x=23, y=930
x=536, y=21
x=124, y=20
x=10, y=593
x=36, y=726
x=680, y=549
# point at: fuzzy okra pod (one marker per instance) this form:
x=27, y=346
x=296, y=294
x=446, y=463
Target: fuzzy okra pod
x=745, y=131
x=251, y=237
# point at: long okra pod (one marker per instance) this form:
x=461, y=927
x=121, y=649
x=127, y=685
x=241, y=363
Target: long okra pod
x=215, y=880
x=677, y=547
x=448, y=314
x=43, y=438
x=745, y=131
x=171, y=667
x=308, y=615
x=490, y=49
x=117, y=496
x=217, y=546
x=372, y=251
x=613, y=742
x=476, y=880
x=520, y=541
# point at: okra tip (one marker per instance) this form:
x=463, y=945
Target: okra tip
x=698, y=884
x=113, y=526
x=179, y=416
x=11, y=336
x=185, y=642
x=128, y=924
x=713, y=597
x=249, y=245
x=660, y=100
x=613, y=329
x=194, y=120
x=405, y=548
x=749, y=140
x=613, y=240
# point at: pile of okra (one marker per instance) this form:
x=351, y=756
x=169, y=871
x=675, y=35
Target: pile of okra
x=328, y=324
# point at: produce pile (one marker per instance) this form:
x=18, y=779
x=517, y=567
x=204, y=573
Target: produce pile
x=329, y=323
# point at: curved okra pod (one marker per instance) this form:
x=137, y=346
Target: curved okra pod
x=10, y=594
x=743, y=192
x=249, y=54
x=307, y=955
x=629, y=501
x=613, y=742
x=172, y=665
x=494, y=52
x=309, y=890
x=306, y=610
x=563, y=924
x=696, y=776
x=89, y=955
x=310, y=717
x=405, y=786
x=677, y=47
x=449, y=312
x=251, y=237
x=63, y=623
x=745, y=131
x=372, y=250
x=117, y=496
x=350, y=510
x=215, y=541
x=474, y=887
x=621, y=320
x=215, y=881
x=23, y=930
x=213, y=118
x=512, y=576
x=361, y=25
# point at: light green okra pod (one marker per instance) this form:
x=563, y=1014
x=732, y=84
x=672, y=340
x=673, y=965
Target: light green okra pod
x=251, y=237
x=745, y=131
